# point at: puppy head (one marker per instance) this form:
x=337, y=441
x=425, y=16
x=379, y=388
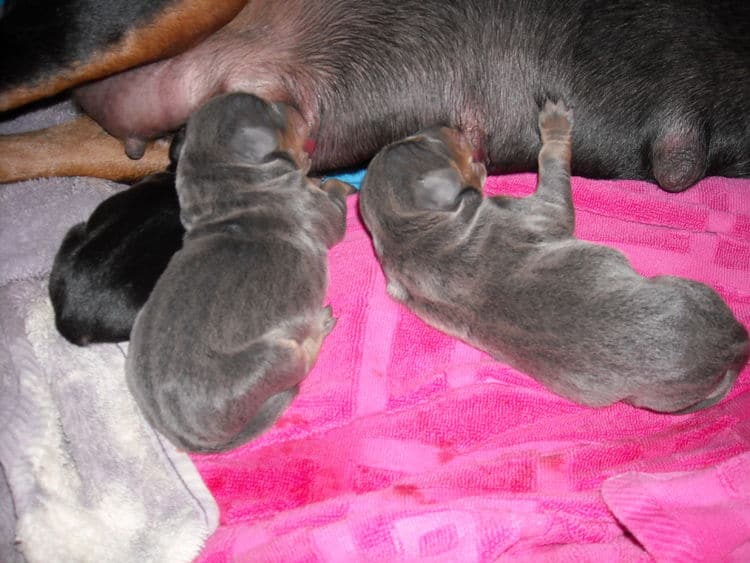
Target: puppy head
x=233, y=143
x=431, y=171
x=244, y=129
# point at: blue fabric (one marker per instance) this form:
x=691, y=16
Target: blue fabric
x=350, y=177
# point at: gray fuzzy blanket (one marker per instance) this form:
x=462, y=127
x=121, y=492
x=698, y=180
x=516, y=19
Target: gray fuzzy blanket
x=82, y=475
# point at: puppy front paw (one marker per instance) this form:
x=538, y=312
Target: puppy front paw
x=337, y=187
x=555, y=122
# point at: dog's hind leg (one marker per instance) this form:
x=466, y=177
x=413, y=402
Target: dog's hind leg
x=76, y=148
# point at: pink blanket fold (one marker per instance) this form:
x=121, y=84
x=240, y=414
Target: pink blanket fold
x=406, y=444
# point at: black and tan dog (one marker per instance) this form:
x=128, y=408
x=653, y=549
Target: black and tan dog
x=661, y=87
x=508, y=276
x=236, y=320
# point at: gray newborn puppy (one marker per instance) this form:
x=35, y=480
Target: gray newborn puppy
x=236, y=320
x=506, y=275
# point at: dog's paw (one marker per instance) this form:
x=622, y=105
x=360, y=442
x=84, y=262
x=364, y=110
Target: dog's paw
x=555, y=121
x=336, y=186
x=327, y=320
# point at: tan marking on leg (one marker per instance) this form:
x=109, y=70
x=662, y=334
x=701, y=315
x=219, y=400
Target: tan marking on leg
x=76, y=148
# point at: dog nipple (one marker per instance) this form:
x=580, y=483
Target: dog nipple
x=679, y=159
x=135, y=148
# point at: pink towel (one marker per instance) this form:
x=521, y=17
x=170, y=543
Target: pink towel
x=407, y=444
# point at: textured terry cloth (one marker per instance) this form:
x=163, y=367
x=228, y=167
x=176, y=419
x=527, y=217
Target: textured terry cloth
x=406, y=444
x=675, y=514
x=82, y=476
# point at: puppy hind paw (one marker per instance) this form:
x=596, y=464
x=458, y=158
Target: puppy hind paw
x=555, y=121
x=397, y=291
x=327, y=320
x=311, y=345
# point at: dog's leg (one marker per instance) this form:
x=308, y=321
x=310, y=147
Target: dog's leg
x=553, y=184
x=42, y=55
x=76, y=148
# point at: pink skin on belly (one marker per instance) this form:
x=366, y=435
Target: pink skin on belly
x=250, y=54
x=147, y=102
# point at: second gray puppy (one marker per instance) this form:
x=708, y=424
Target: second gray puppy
x=507, y=275
x=236, y=320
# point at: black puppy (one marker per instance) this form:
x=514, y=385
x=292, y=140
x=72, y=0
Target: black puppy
x=507, y=275
x=236, y=320
x=106, y=267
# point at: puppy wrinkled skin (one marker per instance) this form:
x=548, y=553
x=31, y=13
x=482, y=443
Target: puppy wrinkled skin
x=106, y=267
x=507, y=275
x=236, y=321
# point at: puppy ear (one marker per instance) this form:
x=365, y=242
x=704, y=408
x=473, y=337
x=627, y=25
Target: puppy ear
x=438, y=190
x=254, y=143
x=175, y=148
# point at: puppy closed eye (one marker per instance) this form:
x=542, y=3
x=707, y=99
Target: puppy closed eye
x=439, y=190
